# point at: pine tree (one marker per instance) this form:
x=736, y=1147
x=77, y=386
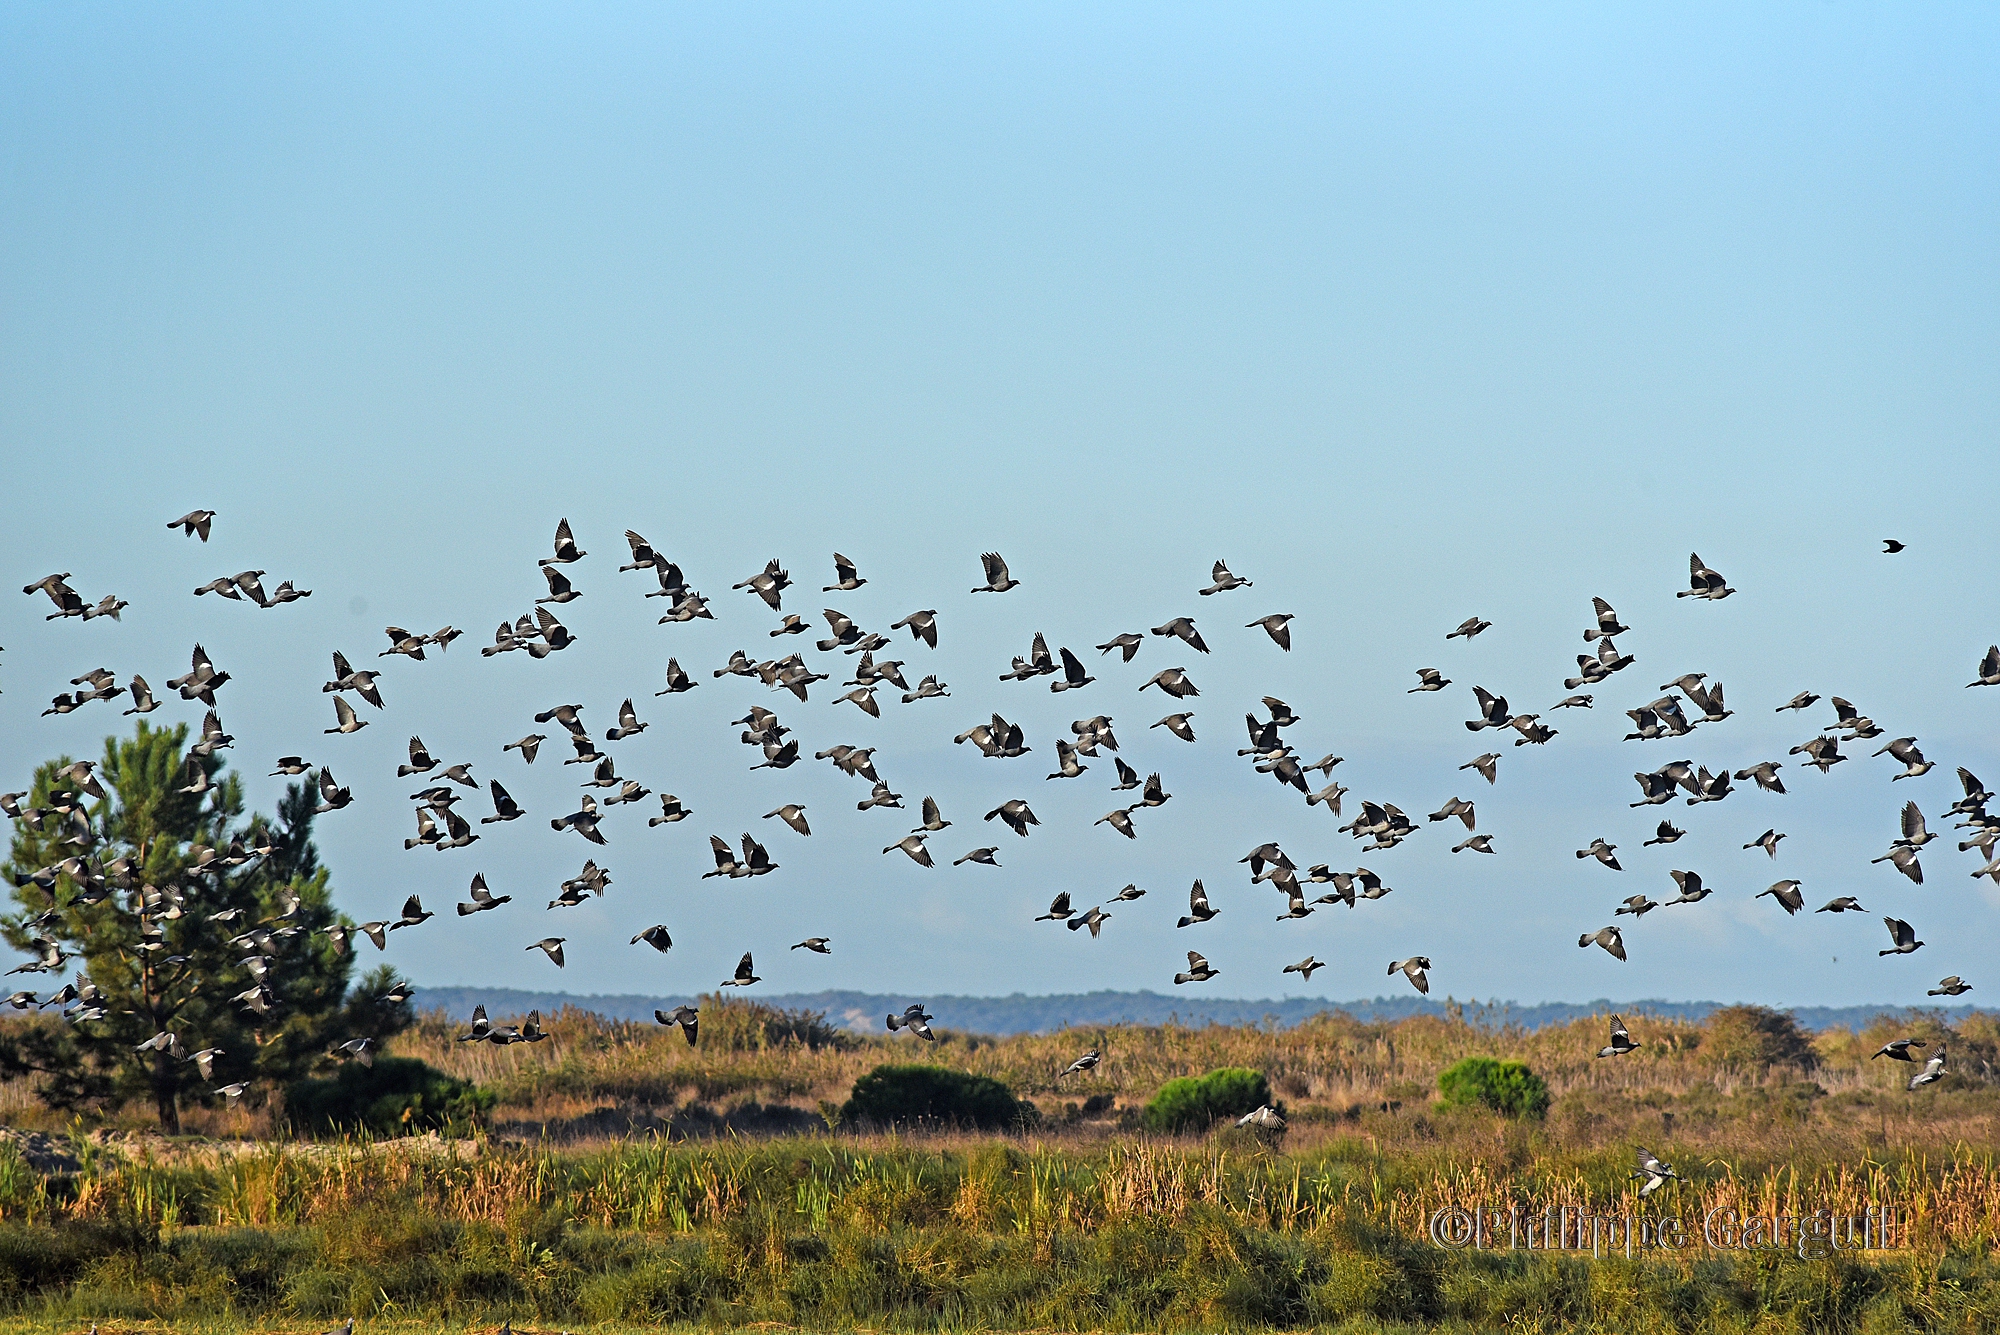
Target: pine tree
x=183, y=915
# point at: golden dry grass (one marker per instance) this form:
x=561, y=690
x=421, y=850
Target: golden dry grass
x=1706, y=1086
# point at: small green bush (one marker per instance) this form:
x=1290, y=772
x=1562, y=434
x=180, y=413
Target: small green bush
x=1192, y=1102
x=1505, y=1087
x=395, y=1096
x=895, y=1094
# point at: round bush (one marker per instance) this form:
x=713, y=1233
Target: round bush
x=1505, y=1087
x=1192, y=1102
x=1756, y=1036
x=895, y=1094
x=395, y=1096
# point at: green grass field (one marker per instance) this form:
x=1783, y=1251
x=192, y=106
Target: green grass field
x=623, y=1183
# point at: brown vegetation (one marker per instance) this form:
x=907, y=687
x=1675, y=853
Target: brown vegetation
x=1747, y=1080
x=574, y=1208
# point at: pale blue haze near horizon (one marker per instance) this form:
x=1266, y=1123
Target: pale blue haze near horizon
x=1410, y=312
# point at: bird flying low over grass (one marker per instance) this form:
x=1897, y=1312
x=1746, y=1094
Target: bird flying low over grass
x=1198, y=970
x=1621, y=1042
x=1416, y=969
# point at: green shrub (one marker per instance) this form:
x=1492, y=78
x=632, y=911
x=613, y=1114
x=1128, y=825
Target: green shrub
x=1505, y=1087
x=905, y=1094
x=395, y=1096
x=1192, y=1102
x=739, y=1025
x=1756, y=1036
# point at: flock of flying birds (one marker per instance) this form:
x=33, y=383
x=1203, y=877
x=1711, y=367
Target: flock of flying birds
x=1689, y=701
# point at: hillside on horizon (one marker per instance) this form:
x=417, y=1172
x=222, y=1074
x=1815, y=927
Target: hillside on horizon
x=1021, y=1013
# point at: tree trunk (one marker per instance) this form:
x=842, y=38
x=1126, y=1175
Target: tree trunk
x=165, y=1091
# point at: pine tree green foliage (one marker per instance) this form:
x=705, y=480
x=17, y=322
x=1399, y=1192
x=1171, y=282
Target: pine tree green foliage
x=152, y=890
x=1193, y=1102
x=893, y=1095
x=1505, y=1087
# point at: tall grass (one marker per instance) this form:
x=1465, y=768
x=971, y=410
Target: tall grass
x=948, y=1231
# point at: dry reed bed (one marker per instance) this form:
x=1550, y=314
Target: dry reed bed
x=1704, y=1087
x=596, y=1076
x=1326, y=1060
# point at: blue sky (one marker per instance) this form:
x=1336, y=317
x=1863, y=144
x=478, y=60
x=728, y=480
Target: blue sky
x=1410, y=313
